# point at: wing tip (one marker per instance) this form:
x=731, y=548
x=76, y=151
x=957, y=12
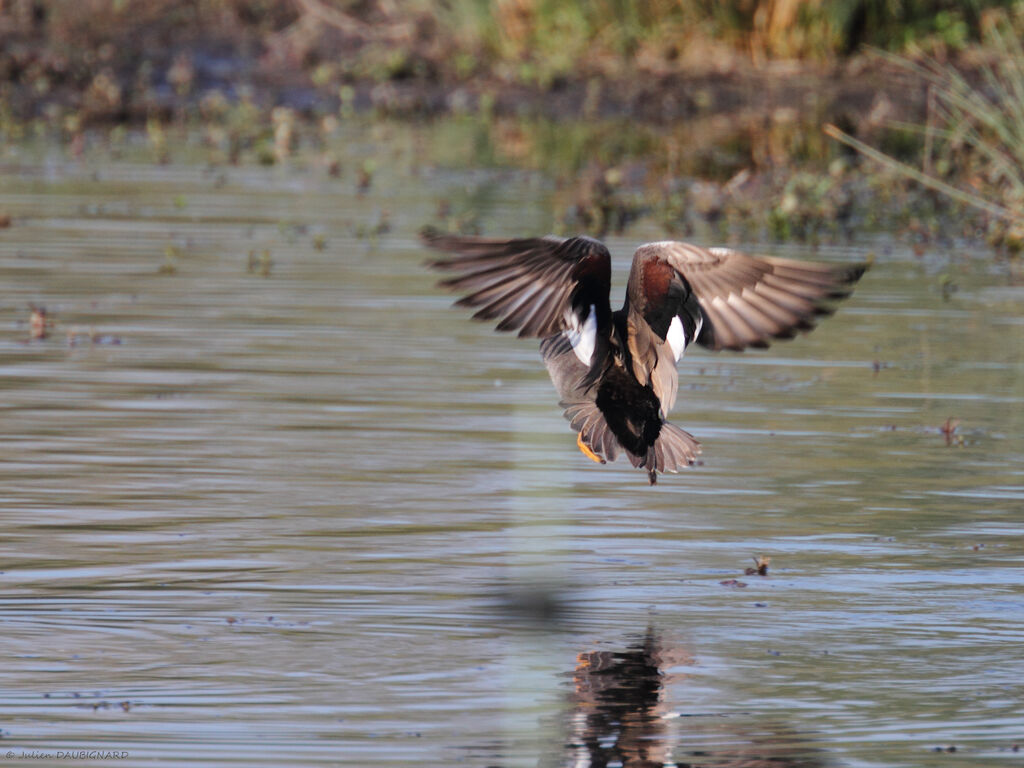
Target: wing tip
x=849, y=274
x=839, y=286
x=430, y=234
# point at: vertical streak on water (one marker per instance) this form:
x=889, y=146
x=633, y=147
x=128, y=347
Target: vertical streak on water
x=536, y=578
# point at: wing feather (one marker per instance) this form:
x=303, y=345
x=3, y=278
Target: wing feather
x=748, y=300
x=530, y=284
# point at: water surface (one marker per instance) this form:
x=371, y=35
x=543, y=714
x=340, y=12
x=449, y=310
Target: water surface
x=292, y=509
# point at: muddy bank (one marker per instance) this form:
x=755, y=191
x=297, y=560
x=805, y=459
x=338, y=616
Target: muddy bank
x=858, y=93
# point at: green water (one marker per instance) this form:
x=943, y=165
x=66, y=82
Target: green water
x=299, y=511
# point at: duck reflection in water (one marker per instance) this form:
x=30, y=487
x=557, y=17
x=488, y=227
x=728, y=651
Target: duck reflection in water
x=620, y=717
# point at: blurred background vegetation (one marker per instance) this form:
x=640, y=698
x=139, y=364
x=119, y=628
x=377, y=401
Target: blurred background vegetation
x=111, y=50
x=689, y=110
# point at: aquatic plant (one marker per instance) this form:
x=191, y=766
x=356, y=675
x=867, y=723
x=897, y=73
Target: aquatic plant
x=974, y=129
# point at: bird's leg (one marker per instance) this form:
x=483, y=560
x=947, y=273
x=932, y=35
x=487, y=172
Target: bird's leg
x=652, y=477
x=585, y=449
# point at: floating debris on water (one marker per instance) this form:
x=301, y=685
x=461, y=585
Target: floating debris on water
x=283, y=120
x=760, y=568
x=332, y=165
x=948, y=286
x=260, y=264
x=170, y=265
x=948, y=431
x=379, y=225
x=39, y=323
x=79, y=338
x=364, y=180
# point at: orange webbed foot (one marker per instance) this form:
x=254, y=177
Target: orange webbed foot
x=585, y=450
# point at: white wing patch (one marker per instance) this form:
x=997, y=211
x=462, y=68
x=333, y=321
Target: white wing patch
x=583, y=339
x=676, y=336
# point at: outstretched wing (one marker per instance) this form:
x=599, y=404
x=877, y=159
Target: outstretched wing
x=722, y=299
x=538, y=286
x=745, y=301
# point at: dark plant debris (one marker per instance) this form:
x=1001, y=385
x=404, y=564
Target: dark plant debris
x=760, y=568
x=949, y=432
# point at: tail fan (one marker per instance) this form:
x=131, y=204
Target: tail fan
x=674, y=449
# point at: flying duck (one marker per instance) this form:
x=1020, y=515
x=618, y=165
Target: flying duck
x=615, y=372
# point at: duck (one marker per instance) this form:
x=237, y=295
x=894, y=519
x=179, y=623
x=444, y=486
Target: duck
x=616, y=371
